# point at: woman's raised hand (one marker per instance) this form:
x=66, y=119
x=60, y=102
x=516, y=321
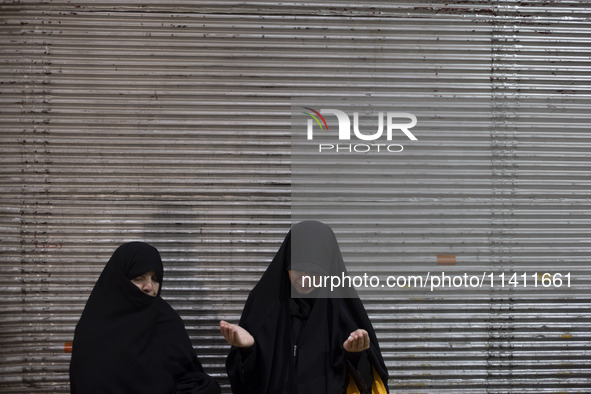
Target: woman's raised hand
x=358, y=341
x=236, y=335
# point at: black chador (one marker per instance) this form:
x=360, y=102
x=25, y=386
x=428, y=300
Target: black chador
x=130, y=342
x=299, y=340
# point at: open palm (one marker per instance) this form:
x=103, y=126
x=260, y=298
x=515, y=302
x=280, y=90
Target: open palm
x=236, y=335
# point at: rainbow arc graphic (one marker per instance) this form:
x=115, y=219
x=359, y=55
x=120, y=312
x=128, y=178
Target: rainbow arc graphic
x=316, y=115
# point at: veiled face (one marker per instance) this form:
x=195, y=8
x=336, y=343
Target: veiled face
x=147, y=283
x=301, y=286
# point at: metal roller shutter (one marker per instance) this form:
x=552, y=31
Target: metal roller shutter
x=170, y=121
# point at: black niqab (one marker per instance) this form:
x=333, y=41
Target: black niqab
x=311, y=359
x=130, y=342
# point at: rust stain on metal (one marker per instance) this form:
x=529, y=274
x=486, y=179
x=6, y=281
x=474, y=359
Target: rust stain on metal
x=446, y=259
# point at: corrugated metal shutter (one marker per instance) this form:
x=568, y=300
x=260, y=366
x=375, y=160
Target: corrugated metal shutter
x=170, y=122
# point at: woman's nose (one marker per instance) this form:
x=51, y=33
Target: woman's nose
x=148, y=287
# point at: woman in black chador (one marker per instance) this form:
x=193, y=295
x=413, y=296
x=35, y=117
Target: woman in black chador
x=129, y=340
x=293, y=338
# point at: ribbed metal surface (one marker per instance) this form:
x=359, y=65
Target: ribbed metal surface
x=169, y=122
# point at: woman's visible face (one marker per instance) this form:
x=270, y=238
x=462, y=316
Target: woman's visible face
x=295, y=277
x=148, y=283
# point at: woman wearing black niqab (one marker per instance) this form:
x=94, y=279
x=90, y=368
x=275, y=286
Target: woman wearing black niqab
x=303, y=342
x=128, y=339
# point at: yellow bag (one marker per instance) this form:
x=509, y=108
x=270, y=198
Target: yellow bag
x=376, y=388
